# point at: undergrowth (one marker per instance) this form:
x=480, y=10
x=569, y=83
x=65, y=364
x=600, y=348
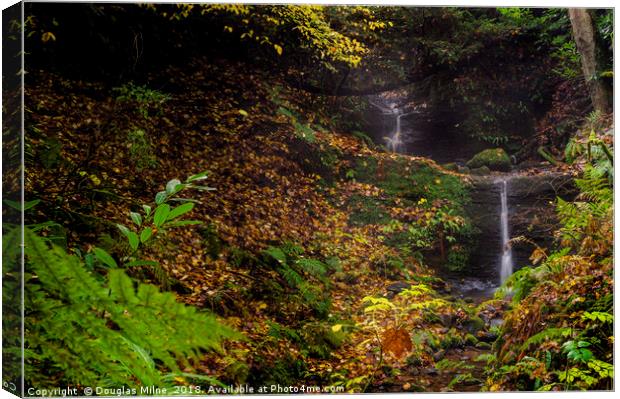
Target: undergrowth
x=559, y=333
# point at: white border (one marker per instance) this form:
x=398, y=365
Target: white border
x=465, y=3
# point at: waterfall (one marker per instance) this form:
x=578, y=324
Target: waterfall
x=395, y=140
x=506, y=265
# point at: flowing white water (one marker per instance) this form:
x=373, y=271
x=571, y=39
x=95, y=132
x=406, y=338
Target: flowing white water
x=506, y=265
x=395, y=140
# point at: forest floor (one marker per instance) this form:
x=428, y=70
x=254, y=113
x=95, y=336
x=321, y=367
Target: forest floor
x=301, y=246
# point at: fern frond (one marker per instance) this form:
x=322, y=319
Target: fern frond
x=546, y=335
x=313, y=267
x=84, y=332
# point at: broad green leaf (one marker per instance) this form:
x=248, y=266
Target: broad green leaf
x=178, y=188
x=123, y=229
x=134, y=241
x=198, y=176
x=161, y=213
x=136, y=217
x=31, y=204
x=18, y=205
x=160, y=197
x=146, y=234
x=180, y=210
x=171, y=185
x=104, y=257
x=147, y=209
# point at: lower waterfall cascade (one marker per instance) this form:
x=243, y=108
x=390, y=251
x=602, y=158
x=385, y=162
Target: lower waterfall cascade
x=506, y=265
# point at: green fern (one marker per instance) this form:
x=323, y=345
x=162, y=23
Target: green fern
x=548, y=334
x=314, y=267
x=114, y=333
x=573, y=150
x=305, y=275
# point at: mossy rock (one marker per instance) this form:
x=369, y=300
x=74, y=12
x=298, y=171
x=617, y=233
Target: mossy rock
x=481, y=171
x=493, y=158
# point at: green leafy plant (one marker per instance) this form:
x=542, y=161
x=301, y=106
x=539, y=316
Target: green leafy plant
x=153, y=222
x=111, y=332
x=302, y=130
x=146, y=99
x=305, y=275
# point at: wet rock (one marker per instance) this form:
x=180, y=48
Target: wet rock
x=486, y=336
x=463, y=169
x=464, y=358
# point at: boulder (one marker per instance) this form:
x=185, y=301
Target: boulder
x=481, y=171
x=493, y=158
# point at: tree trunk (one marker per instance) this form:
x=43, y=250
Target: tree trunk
x=583, y=32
